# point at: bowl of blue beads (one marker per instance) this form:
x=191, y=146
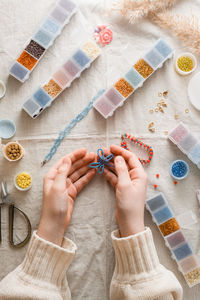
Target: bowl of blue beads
x=179, y=169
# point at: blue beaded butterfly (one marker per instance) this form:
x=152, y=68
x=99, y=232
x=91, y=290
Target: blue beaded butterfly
x=102, y=161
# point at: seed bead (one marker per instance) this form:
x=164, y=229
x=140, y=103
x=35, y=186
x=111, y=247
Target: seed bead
x=139, y=143
x=23, y=180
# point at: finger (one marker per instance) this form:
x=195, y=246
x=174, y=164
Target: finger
x=53, y=171
x=107, y=152
x=111, y=162
x=111, y=177
x=129, y=156
x=77, y=154
x=122, y=170
x=62, y=173
x=112, y=167
x=82, y=162
x=138, y=174
x=78, y=173
x=83, y=181
x=51, y=175
x=71, y=189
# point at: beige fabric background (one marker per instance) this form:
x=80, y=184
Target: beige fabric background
x=93, y=218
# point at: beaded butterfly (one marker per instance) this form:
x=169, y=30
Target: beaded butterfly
x=102, y=161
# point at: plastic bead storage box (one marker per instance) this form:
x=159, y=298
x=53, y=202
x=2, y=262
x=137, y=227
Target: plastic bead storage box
x=134, y=78
x=186, y=142
x=174, y=238
x=43, y=38
x=80, y=60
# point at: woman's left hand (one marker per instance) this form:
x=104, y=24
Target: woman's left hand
x=62, y=183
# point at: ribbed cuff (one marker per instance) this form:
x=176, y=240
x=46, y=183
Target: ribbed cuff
x=135, y=256
x=46, y=261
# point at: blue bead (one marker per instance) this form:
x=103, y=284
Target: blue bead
x=41, y=97
x=18, y=71
x=156, y=202
x=163, y=215
x=194, y=154
x=31, y=107
x=43, y=38
x=133, y=77
x=163, y=48
x=81, y=58
x=50, y=26
x=154, y=58
x=182, y=251
x=179, y=169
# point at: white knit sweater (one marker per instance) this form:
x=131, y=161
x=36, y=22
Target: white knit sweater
x=138, y=273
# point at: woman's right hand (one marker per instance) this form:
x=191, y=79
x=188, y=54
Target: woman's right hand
x=130, y=182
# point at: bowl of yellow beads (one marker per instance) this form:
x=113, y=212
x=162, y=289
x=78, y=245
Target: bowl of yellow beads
x=23, y=181
x=185, y=63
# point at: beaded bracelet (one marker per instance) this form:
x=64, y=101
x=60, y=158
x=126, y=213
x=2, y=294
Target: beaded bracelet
x=137, y=142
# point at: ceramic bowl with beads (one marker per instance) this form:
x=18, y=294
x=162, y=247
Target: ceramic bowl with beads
x=23, y=181
x=13, y=151
x=179, y=169
x=185, y=63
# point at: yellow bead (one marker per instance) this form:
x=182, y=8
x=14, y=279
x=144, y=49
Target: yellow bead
x=23, y=180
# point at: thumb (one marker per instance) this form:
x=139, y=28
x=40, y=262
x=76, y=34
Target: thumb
x=62, y=173
x=122, y=170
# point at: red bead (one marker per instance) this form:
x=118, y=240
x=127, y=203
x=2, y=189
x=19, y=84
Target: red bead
x=155, y=186
x=157, y=175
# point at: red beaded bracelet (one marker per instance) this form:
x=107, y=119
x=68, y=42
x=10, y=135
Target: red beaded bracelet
x=137, y=142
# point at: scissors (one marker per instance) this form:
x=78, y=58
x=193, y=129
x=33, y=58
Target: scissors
x=5, y=200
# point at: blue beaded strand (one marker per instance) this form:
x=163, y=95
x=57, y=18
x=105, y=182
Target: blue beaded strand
x=70, y=126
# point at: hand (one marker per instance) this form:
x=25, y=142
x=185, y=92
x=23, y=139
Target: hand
x=130, y=182
x=62, y=183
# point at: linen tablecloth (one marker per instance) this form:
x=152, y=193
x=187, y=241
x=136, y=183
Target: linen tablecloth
x=93, y=218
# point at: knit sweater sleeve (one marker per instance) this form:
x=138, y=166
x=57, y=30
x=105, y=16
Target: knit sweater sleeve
x=42, y=274
x=138, y=273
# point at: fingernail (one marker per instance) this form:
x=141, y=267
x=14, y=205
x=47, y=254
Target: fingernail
x=119, y=159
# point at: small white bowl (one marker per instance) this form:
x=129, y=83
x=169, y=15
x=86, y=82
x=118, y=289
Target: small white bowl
x=4, y=147
x=2, y=89
x=18, y=187
x=194, y=90
x=187, y=54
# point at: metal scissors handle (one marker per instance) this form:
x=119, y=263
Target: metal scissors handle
x=5, y=200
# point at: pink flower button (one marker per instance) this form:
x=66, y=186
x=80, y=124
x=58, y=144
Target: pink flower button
x=103, y=35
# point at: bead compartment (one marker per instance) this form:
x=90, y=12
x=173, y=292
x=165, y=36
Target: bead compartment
x=135, y=79
x=42, y=97
x=61, y=79
x=178, y=133
x=47, y=32
x=182, y=137
x=187, y=143
x=175, y=240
